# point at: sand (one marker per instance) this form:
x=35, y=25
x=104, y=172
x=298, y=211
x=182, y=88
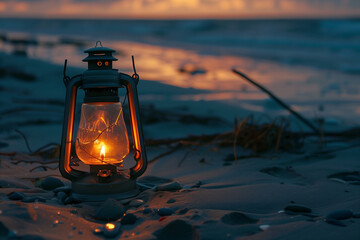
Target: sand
x=311, y=194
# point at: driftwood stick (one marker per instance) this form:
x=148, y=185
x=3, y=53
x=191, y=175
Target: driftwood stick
x=25, y=139
x=280, y=102
x=44, y=147
x=183, y=159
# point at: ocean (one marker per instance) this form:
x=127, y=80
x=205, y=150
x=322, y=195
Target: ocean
x=313, y=64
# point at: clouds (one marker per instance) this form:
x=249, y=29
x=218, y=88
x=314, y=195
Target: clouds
x=177, y=8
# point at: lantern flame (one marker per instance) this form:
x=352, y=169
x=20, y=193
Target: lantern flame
x=102, y=152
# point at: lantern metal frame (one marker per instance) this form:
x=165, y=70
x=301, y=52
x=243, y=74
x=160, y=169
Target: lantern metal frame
x=84, y=186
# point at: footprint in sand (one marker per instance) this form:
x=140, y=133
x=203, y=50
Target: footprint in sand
x=287, y=173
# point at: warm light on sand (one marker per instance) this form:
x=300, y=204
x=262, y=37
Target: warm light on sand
x=109, y=226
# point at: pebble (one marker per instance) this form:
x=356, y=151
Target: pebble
x=147, y=210
x=110, y=210
x=65, y=189
x=237, y=218
x=16, y=196
x=61, y=196
x=165, y=211
x=171, y=200
x=264, y=227
x=128, y=219
x=177, y=230
x=297, y=208
x=34, y=199
x=340, y=215
x=172, y=186
x=51, y=183
x=136, y=203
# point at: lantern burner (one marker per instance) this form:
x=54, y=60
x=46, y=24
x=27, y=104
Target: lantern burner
x=104, y=176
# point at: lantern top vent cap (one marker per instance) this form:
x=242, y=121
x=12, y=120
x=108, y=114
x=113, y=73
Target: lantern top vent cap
x=99, y=49
x=99, y=53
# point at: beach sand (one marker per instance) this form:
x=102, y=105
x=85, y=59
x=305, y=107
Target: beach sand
x=312, y=193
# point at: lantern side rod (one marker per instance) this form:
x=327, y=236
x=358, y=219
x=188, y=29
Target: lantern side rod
x=140, y=155
x=68, y=128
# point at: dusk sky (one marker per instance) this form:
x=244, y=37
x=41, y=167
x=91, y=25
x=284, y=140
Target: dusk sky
x=179, y=8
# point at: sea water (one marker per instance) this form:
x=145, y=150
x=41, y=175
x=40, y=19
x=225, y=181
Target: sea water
x=312, y=64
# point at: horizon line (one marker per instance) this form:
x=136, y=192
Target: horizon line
x=187, y=17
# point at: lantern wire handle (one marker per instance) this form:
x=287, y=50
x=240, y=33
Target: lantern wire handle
x=66, y=79
x=135, y=75
x=98, y=42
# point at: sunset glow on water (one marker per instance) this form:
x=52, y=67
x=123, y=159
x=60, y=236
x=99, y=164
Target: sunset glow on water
x=311, y=64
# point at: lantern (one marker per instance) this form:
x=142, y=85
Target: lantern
x=92, y=157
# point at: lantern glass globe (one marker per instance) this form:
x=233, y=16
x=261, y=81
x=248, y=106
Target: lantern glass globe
x=102, y=136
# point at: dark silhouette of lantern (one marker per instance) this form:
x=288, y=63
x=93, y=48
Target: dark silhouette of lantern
x=101, y=140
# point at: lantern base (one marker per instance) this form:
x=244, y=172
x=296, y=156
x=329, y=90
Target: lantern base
x=88, y=189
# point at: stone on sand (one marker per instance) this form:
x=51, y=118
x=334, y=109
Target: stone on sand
x=147, y=210
x=61, y=196
x=238, y=218
x=177, y=230
x=50, y=183
x=297, y=208
x=136, y=203
x=65, y=189
x=110, y=210
x=16, y=196
x=165, y=211
x=340, y=215
x=128, y=219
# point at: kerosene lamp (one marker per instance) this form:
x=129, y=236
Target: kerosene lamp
x=101, y=141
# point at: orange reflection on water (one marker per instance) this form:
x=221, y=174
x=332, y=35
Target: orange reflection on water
x=189, y=69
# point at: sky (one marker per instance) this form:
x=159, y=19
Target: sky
x=179, y=8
